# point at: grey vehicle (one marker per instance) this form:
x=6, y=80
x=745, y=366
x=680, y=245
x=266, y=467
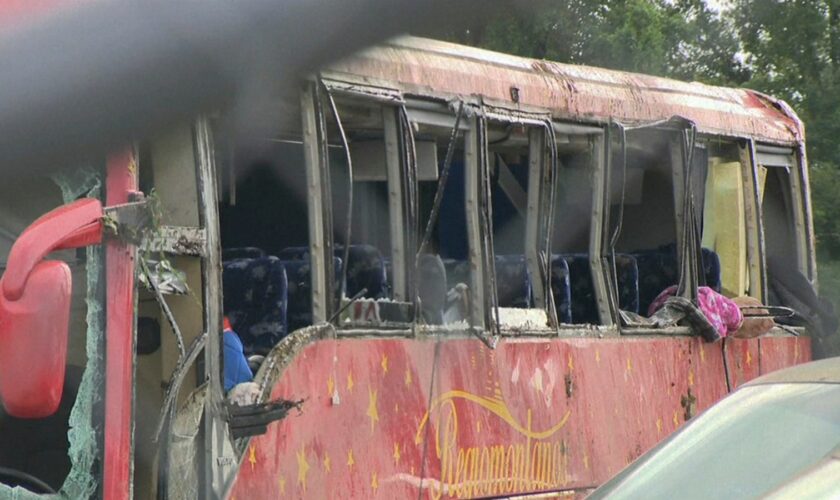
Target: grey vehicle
x=776, y=437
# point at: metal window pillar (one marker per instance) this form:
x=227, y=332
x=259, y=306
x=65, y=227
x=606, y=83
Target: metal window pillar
x=396, y=213
x=599, y=229
x=216, y=439
x=316, y=186
x=534, y=228
x=755, y=226
x=473, y=186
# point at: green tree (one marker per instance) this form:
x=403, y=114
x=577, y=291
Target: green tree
x=793, y=51
x=682, y=38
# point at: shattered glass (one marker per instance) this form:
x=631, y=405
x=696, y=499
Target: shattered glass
x=80, y=481
x=184, y=442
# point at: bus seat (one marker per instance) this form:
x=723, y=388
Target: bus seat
x=300, y=291
x=712, y=269
x=627, y=270
x=431, y=288
x=256, y=300
x=584, y=304
x=561, y=289
x=365, y=268
x=242, y=253
x=513, y=284
x=658, y=270
x=294, y=253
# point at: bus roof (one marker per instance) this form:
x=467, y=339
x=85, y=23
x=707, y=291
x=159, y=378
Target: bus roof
x=570, y=92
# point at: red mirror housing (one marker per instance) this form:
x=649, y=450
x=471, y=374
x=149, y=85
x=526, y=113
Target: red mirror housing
x=35, y=309
x=33, y=350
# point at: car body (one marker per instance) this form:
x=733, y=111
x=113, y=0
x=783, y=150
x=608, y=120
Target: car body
x=776, y=437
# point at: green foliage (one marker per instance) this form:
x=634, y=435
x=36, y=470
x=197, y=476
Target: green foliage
x=680, y=38
x=825, y=185
x=793, y=50
x=790, y=49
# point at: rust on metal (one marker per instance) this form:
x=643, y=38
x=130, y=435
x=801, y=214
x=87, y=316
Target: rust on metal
x=432, y=68
x=496, y=423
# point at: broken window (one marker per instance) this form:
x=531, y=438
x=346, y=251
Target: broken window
x=647, y=213
x=59, y=453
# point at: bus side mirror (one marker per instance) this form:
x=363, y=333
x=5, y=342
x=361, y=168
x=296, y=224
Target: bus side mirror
x=35, y=308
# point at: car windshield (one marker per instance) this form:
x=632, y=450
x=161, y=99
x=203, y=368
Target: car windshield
x=743, y=447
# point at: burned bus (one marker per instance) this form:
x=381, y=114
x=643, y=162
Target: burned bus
x=443, y=269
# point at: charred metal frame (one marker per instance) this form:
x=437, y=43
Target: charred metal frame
x=599, y=233
x=801, y=200
x=535, y=226
x=753, y=220
x=430, y=109
x=805, y=193
x=216, y=437
x=472, y=194
x=176, y=240
x=318, y=191
x=796, y=201
x=681, y=165
x=396, y=214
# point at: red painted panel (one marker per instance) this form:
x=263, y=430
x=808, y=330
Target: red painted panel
x=743, y=361
x=119, y=339
x=779, y=352
x=534, y=414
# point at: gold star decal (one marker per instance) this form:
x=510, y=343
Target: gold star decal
x=282, y=483
x=303, y=468
x=330, y=386
x=536, y=381
x=397, y=453
x=252, y=456
x=350, y=381
x=407, y=377
x=384, y=364
x=350, y=461
x=326, y=462
x=372, y=411
x=374, y=483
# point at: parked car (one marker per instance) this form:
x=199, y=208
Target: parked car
x=776, y=437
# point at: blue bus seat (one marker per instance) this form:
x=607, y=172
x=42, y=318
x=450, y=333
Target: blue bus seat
x=256, y=301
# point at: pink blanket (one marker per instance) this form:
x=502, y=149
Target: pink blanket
x=722, y=313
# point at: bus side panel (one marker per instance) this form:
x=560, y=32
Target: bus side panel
x=776, y=353
x=532, y=415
